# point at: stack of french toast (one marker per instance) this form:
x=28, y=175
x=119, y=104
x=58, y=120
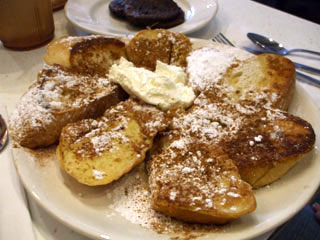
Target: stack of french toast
x=203, y=161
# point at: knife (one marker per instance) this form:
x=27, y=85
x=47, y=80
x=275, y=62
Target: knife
x=301, y=76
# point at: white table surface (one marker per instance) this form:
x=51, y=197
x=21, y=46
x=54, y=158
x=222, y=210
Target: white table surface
x=235, y=18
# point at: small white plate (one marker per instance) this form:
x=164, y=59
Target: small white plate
x=93, y=16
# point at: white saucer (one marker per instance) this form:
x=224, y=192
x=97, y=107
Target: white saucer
x=94, y=17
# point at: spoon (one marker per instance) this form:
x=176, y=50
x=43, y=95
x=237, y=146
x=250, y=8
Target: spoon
x=264, y=43
x=3, y=134
x=272, y=45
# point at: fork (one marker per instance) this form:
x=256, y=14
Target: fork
x=220, y=38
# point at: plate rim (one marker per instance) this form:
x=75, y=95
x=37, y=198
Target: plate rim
x=70, y=17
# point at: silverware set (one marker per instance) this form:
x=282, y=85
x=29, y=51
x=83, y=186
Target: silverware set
x=271, y=45
x=268, y=45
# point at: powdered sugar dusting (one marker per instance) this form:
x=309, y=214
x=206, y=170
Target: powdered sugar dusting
x=98, y=174
x=206, y=67
x=100, y=139
x=56, y=91
x=94, y=137
x=131, y=198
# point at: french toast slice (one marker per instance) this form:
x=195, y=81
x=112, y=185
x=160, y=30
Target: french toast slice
x=88, y=55
x=191, y=177
x=268, y=145
x=196, y=182
x=97, y=152
x=56, y=98
x=148, y=46
x=266, y=77
x=265, y=74
x=263, y=142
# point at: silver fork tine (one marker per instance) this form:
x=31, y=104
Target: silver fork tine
x=222, y=39
x=226, y=40
x=216, y=39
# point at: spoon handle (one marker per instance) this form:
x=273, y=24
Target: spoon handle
x=307, y=68
x=304, y=50
x=305, y=78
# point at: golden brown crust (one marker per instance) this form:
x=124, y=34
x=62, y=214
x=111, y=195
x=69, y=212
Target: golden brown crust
x=87, y=55
x=180, y=50
x=148, y=46
x=270, y=74
x=284, y=74
x=282, y=141
x=96, y=56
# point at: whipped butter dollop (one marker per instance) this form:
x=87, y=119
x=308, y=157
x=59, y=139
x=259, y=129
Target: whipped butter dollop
x=165, y=87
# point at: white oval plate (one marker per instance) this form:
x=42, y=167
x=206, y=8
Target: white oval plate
x=89, y=210
x=93, y=16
